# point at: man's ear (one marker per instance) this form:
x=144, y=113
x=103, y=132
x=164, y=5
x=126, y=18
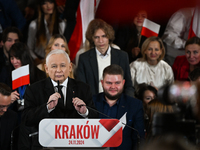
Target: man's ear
x=102, y=82
x=46, y=68
x=123, y=82
x=1, y=44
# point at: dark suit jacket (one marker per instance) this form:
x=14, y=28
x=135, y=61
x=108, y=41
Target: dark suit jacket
x=134, y=118
x=37, y=95
x=87, y=70
x=7, y=124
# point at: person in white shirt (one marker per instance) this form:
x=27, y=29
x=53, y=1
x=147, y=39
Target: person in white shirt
x=151, y=69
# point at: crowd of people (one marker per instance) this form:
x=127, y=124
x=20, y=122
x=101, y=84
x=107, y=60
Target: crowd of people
x=114, y=74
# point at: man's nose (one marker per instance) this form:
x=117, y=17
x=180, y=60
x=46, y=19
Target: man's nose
x=58, y=69
x=100, y=39
x=4, y=109
x=15, y=60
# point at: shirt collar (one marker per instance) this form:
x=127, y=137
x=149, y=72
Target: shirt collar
x=63, y=84
x=107, y=53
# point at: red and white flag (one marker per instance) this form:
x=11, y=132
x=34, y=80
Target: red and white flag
x=150, y=28
x=195, y=24
x=20, y=77
x=85, y=13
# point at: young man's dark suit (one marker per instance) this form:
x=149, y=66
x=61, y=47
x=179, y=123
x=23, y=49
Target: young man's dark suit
x=134, y=118
x=87, y=70
x=8, y=122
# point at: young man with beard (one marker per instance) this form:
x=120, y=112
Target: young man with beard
x=113, y=103
x=8, y=118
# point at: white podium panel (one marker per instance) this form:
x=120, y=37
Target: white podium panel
x=80, y=133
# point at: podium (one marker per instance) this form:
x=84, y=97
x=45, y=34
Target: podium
x=84, y=134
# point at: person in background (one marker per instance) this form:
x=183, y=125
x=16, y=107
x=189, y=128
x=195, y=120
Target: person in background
x=58, y=41
x=136, y=40
x=19, y=56
x=129, y=38
x=153, y=107
x=8, y=118
x=185, y=64
x=9, y=37
x=40, y=31
x=176, y=33
x=151, y=69
x=113, y=103
x=146, y=93
x=91, y=63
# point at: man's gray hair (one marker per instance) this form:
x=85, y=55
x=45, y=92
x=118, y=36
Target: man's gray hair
x=57, y=51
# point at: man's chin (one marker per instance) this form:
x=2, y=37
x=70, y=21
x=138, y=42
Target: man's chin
x=113, y=97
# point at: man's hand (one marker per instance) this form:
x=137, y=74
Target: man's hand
x=14, y=96
x=53, y=100
x=77, y=105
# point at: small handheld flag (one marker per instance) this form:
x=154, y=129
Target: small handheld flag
x=150, y=28
x=20, y=77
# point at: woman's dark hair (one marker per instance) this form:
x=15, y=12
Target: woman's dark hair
x=142, y=88
x=21, y=51
x=193, y=40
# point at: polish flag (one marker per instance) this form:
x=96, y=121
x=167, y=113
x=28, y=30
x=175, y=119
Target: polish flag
x=85, y=13
x=195, y=24
x=150, y=28
x=20, y=77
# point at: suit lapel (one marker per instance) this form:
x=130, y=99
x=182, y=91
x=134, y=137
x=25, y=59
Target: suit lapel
x=114, y=56
x=71, y=87
x=94, y=65
x=48, y=89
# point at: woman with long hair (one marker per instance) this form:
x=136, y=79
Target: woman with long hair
x=40, y=31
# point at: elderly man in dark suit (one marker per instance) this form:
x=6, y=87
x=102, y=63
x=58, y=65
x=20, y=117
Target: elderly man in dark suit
x=91, y=63
x=113, y=103
x=41, y=100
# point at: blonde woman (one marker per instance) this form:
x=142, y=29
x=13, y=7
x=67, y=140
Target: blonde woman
x=151, y=69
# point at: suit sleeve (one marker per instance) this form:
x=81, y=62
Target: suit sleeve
x=89, y=102
x=34, y=110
